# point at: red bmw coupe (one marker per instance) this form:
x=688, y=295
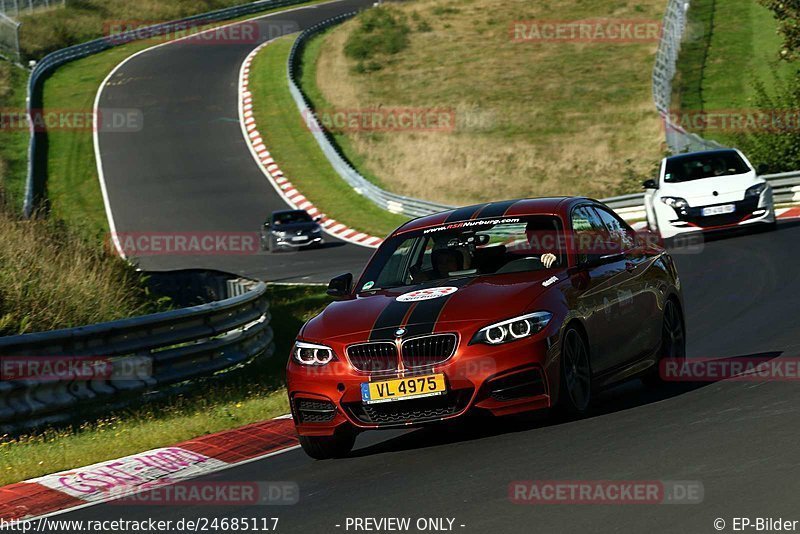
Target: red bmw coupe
x=503, y=308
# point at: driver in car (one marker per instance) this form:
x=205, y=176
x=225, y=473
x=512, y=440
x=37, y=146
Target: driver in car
x=447, y=260
x=543, y=237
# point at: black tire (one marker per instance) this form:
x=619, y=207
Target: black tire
x=326, y=447
x=673, y=342
x=769, y=227
x=575, y=396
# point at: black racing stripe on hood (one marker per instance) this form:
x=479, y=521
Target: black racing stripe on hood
x=424, y=317
x=390, y=319
x=463, y=214
x=496, y=209
x=425, y=311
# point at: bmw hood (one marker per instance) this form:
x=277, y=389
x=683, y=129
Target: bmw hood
x=430, y=307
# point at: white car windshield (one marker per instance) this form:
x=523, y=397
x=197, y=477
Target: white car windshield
x=704, y=165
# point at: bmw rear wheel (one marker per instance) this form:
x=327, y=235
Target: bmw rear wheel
x=575, y=396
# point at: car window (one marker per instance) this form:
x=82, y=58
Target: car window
x=704, y=165
x=590, y=234
x=466, y=249
x=291, y=217
x=620, y=233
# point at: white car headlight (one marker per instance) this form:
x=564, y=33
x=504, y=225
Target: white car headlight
x=755, y=191
x=312, y=354
x=512, y=329
x=675, y=203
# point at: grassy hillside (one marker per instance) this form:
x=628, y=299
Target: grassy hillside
x=52, y=278
x=531, y=118
x=728, y=47
x=80, y=21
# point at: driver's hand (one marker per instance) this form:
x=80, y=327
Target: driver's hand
x=549, y=259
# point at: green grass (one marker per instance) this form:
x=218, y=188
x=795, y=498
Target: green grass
x=308, y=82
x=14, y=145
x=295, y=150
x=530, y=118
x=729, y=44
x=252, y=394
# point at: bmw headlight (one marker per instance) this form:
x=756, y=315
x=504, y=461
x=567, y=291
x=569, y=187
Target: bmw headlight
x=316, y=230
x=755, y=191
x=675, y=203
x=512, y=329
x=312, y=354
x=280, y=233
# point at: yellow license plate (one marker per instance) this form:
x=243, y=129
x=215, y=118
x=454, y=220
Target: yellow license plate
x=403, y=388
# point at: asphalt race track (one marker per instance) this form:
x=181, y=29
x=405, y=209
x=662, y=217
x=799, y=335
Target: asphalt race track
x=740, y=439
x=189, y=169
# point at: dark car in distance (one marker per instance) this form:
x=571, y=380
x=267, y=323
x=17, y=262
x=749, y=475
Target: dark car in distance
x=290, y=229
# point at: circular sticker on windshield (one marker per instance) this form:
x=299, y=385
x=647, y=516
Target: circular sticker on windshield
x=427, y=294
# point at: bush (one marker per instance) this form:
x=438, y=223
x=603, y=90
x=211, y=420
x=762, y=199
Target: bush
x=51, y=278
x=779, y=149
x=381, y=32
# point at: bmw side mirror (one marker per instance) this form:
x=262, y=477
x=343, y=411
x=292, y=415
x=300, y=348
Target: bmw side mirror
x=341, y=286
x=762, y=168
x=318, y=218
x=650, y=184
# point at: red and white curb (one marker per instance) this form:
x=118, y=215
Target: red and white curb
x=275, y=175
x=114, y=479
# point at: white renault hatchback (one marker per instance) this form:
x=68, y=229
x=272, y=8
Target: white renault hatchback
x=705, y=191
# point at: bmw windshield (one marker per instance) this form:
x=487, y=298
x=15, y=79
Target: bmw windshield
x=465, y=249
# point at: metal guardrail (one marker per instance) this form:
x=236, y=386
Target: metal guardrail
x=141, y=355
x=34, y=190
x=395, y=203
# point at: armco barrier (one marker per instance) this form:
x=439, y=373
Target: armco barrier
x=153, y=352
x=35, y=184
